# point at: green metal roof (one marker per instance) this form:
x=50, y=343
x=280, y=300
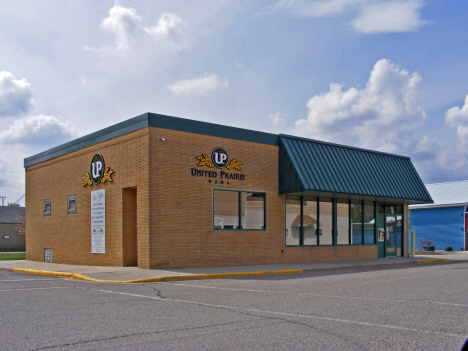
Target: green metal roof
x=311, y=166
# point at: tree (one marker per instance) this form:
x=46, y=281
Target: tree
x=410, y=225
x=21, y=224
x=11, y=204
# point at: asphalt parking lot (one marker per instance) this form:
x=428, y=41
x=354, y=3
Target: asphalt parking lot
x=391, y=308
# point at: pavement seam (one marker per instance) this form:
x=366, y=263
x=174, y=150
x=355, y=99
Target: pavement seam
x=80, y=276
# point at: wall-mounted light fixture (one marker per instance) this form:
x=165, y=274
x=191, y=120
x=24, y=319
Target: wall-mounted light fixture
x=161, y=138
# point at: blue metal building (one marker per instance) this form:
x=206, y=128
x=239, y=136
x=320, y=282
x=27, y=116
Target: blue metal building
x=443, y=221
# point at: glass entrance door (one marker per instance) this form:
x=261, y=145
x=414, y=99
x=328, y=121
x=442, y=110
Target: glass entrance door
x=390, y=239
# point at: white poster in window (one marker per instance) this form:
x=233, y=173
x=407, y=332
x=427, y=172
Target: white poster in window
x=218, y=222
x=98, y=221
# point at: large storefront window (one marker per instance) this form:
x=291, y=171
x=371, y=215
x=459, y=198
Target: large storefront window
x=239, y=210
x=326, y=222
x=305, y=225
x=342, y=209
x=322, y=221
x=293, y=221
x=356, y=222
x=369, y=222
x=309, y=221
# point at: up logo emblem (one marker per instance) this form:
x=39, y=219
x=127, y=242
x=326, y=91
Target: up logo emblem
x=219, y=157
x=97, y=168
x=97, y=172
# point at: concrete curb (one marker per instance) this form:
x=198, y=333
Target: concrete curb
x=316, y=270
x=219, y=275
x=437, y=260
x=158, y=279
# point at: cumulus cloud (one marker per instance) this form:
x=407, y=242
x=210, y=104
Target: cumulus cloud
x=169, y=26
x=276, y=120
x=382, y=116
x=370, y=16
x=198, y=86
x=15, y=95
x=458, y=118
x=40, y=130
x=125, y=24
x=387, y=17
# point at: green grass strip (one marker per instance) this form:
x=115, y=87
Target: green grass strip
x=7, y=256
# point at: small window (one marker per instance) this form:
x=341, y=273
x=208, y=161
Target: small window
x=47, y=207
x=239, y=210
x=48, y=255
x=72, y=204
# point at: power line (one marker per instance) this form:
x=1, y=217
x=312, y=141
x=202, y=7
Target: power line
x=11, y=185
x=2, y=182
x=19, y=199
x=12, y=171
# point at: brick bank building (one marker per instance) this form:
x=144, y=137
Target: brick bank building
x=165, y=192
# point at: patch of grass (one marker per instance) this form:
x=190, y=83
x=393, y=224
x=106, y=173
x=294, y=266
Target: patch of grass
x=6, y=256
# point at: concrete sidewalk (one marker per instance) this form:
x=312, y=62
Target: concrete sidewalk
x=139, y=275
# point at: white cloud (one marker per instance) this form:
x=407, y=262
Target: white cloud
x=371, y=16
x=41, y=130
x=198, y=86
x=15, y=95
x=387, y=17
x=276, y=120
x=458, y=118
x=169, y=26
x=124, y=23
x=382, y=116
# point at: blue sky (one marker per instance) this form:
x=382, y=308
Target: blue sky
x=378, y=74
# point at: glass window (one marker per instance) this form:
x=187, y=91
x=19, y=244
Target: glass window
x=326, y=222
x=47, y=210
x=293, y=220
x=342, y=215
x=72, y=204
x=239, y=210
x=253, y=210
x=369, y=222
x=356, y=222
x=226, y=209
x=309, y=220
x=390, y=209
x=399, y=233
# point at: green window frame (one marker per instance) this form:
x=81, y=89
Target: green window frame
x=239, y=210
x=326, y=229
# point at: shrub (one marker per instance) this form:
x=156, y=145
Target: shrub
x=449, y=248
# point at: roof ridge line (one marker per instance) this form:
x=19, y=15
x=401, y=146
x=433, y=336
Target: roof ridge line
x=342, y=146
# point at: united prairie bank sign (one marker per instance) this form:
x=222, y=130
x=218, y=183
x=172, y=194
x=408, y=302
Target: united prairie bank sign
x=219, y=160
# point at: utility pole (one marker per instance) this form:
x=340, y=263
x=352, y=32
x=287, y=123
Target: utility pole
x=3, y=200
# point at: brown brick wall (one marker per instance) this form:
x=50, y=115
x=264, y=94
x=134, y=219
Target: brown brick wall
x=69, y=236
x=174, y=210
x=181, y=207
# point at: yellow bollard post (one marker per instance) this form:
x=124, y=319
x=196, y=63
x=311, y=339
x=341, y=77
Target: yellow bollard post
x=413, y=243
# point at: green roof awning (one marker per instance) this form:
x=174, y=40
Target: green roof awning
x=311, y=166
